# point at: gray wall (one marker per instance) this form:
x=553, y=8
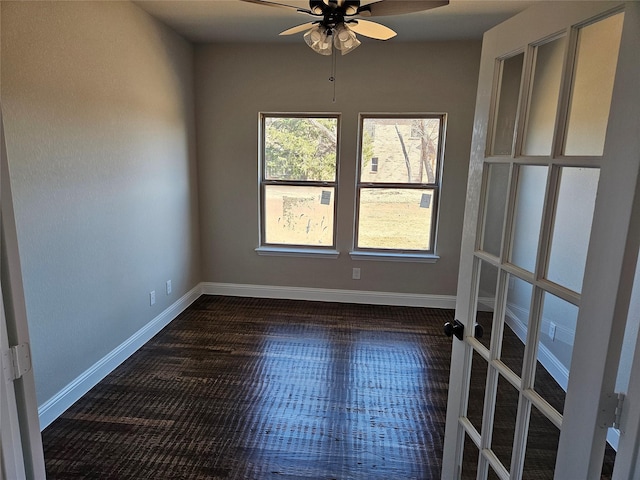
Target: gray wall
x=100, y=132
x=235, y=82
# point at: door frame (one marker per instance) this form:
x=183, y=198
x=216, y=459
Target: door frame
x=612, y=252
x=25, y=424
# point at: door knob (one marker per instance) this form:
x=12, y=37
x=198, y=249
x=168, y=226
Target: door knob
x=456, y=328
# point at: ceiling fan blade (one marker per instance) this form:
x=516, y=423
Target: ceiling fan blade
x=298, y=29
x=276, y=4
x=399, y=7
x=371, y=29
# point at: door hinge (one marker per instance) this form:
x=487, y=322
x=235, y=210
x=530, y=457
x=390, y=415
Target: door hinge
x=16, y=361
x=611, y=411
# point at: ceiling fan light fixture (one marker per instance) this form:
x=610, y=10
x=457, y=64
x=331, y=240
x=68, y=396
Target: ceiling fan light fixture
x=330, y=31
x=351, y=7
x=318, y=40
x=345, y=39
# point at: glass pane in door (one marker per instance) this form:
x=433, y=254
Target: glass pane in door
x=542, y=447
x=516, y=321
x=486, y=304
x=477, y=386
x=470, y=457
x=492, y=475
x=555, y=347
x=506, y=108
x=497, y=183
x=572, y=226
x=543, y=102
x=532, y=183
x=504, y=421
x=595, y=69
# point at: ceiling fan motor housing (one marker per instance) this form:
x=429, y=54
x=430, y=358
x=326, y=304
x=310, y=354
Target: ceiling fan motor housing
x=334, y=8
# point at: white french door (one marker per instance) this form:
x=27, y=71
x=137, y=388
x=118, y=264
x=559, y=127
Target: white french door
x=550, y=232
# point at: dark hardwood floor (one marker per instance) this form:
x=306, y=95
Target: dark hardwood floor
x=239, y=388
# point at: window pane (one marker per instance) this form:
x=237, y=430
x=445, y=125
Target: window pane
x=541, y=117
x=399, y=150
x=572, y=226
x=395, y=218
x=532, y=183
x=296, y=215
x=300, y=148
x=595, y=71
x=507, y=105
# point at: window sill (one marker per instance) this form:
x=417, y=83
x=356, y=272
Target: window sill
x=297, y=252
x=394, y=257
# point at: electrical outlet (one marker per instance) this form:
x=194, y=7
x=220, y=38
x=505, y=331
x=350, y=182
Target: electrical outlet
x=552, y=331
x=355, y=275
x=168, y=287
x=152, y=297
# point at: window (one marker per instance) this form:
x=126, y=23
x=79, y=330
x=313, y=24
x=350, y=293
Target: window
x=397, y=202
x=374, y=165
x=299, y=163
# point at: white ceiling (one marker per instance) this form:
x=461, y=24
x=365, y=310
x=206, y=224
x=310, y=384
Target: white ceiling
x=236, y=21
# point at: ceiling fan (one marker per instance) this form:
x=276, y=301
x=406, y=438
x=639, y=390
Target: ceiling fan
x=338, y=21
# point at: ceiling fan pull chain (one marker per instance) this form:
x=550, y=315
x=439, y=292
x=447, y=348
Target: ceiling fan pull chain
x=332, y=78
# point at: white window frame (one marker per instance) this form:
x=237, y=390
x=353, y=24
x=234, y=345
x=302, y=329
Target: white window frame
x=426, y=256
x=301, y=250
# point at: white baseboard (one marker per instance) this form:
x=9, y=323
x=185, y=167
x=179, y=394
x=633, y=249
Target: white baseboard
x=330, y=295
x=55, y=406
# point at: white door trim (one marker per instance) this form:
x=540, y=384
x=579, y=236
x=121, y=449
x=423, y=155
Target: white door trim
x=16, y=321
